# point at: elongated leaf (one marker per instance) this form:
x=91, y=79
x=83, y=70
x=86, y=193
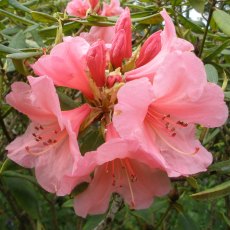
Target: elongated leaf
x=19, y=6
x=212, y=73
x=220, y=167
x=42, y=17
x=213, y=193
x=217, y=51
x=25, y=195
x=222, y=20
x=7, y=50
x=22, y=55
x=151, y=19
x=16, y=17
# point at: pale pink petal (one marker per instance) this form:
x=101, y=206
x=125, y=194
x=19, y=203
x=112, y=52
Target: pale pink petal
x=169, y=38
x=133, y=101
x=95, y=199
x=149, y=183
x=184, y=92
x=38, y=101
x=16, y=149
x=150, y=49
x=183, y=75
x=99, y=33
x=96, y=61
x=112, y=9
x=66, y=65
x=52, y=166
x=184, y=155
x=78, y=8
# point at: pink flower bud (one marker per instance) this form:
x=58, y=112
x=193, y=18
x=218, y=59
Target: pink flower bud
x=124, y=23
x=96, y=61
x=117, y=52
x=150, y=49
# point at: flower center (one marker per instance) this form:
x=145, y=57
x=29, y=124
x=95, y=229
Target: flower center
x=164, y=122
x=122, y=173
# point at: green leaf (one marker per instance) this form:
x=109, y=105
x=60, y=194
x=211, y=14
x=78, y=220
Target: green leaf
x=68, y=204
x=150, y=19
x=90, y=139
x=190, y=24
x=216, y=51
x=18, y=40
x=213, y=193
x=3, y=3
x=66, y=102
x=42, y=17
x=93, y=221
x=198, y=5
x=16, y=17
x=193, y=182
x=20, y=66
x=8, y=165
x=212, y=73
x=222, y=167
x=22, y=55
x=19, y=6
x=25, y=195
x=7, y=50
x=222, y=20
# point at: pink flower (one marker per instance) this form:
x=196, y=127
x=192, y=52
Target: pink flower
x=118, y=168
x=162, y=115
x=49, y=144
x=66, y=65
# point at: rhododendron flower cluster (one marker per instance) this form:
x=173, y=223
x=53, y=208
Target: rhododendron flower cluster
x=145, y=101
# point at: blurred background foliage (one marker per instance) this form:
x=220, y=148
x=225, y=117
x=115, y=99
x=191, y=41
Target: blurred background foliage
x=30, y=28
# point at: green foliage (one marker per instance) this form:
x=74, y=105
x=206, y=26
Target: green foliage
x=30, y=28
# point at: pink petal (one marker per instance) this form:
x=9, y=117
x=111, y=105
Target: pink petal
x=95, y=199
x=38, y=101
x=184, y=92
x=16, y=149
x=150, y=183
x=112, y=9
x=150, y=49
x=96, y=61
x=99, y=33
x=169, y=38
x=184, y=155
x=77, y=8
x=133, y=101
x=66, y=65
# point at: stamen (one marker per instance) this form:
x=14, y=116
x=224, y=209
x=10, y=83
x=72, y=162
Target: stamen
x=131, y=190
x=174, y=148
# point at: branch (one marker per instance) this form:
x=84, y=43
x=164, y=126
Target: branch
x=115, y=207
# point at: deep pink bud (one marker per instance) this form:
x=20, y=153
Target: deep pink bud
x=117, y=52
x=124, y=23
x=93, y=3
x=150, y=49
x=96, y=61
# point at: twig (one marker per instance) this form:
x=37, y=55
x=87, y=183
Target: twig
x=115, y=207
